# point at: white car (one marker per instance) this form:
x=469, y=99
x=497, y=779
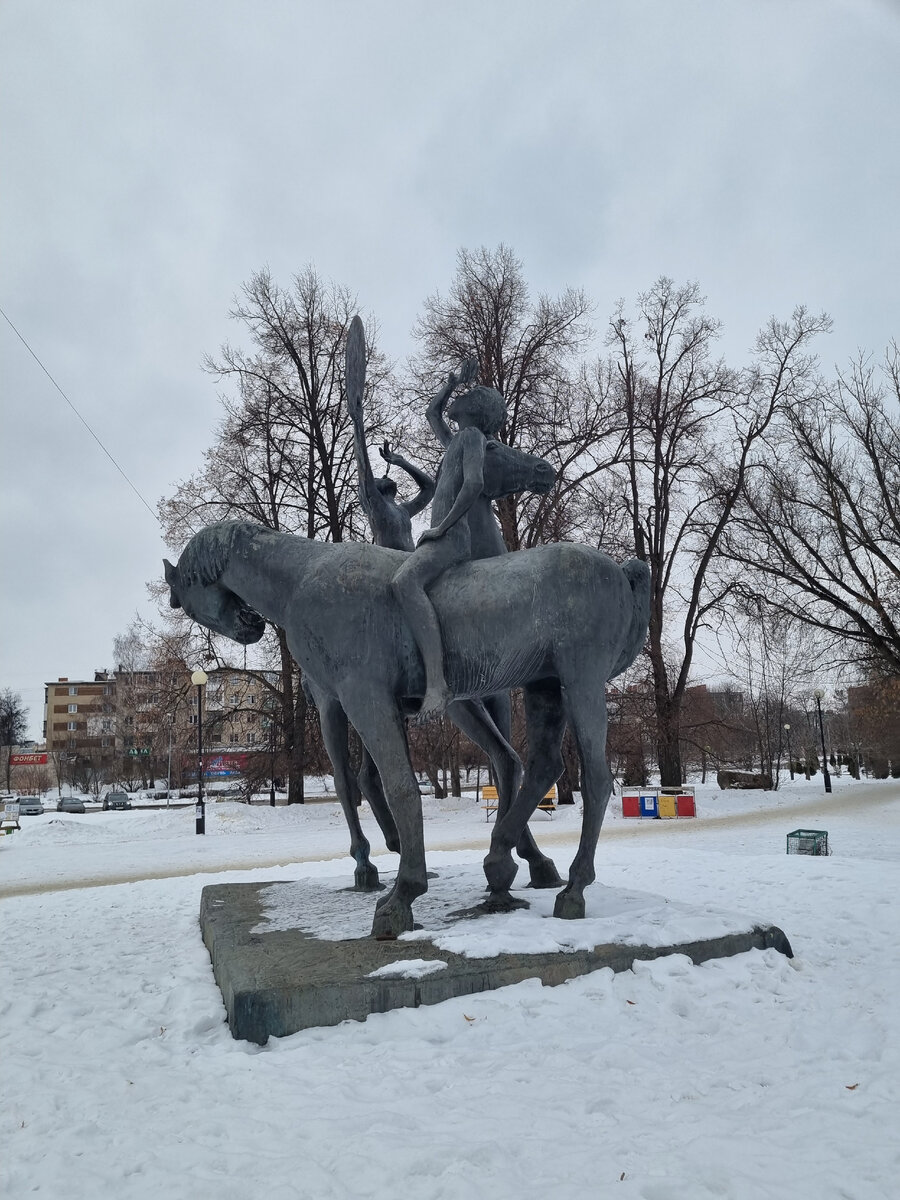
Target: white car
x=30, y=806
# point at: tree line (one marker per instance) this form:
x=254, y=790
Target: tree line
x=765, y=496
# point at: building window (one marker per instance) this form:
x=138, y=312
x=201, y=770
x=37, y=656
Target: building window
x=105, y=742
x=107, y=691
x=251, y=739
x=73, y=691
x=233, y=739
x=71, y=725
x=73, y=708
x=73, y=744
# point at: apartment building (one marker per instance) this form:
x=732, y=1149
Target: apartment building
x=138, y=722
x=235, y=711
x=80, y=715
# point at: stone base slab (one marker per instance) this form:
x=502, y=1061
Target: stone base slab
x=277, y=982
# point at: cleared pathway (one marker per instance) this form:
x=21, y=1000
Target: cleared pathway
x=222, y=857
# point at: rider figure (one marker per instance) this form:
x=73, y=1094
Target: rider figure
x=390, y=520
x=478, y=415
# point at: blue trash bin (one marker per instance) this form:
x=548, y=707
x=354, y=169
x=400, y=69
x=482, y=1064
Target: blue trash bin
x=649, y=805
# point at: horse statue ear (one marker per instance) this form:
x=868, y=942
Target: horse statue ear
x=172, y=581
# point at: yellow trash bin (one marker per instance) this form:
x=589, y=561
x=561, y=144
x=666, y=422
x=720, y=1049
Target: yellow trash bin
x=667, y=806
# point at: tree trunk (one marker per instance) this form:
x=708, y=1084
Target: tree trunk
x=668, y=746
x=432, y=772
x=298, y=747
x=668, y=708
x=509, y=526
x=455, y=780
x=293, y=721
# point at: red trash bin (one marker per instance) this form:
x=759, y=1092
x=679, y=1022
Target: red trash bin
x=631, y=806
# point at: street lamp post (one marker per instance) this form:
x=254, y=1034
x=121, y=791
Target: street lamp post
x=199, y=678
x=272, y=763
x=818, y=693
x=787, y=730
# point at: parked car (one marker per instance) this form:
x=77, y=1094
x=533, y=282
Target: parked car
x=30, y=806
x=70, y=804
x=116, y=800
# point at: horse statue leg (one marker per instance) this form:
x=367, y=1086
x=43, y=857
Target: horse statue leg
x=376, y=718
x=487, y=724
x=333, y=722
x=541, y=868
x=545, y=719
x=586, y=706
x=370, y=785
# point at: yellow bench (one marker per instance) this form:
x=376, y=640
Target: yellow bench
x=491, y=797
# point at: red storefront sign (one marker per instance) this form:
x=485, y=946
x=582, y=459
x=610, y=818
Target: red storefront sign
x=27, y=760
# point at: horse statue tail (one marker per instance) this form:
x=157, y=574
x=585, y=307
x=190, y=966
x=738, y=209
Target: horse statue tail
x=637, y=573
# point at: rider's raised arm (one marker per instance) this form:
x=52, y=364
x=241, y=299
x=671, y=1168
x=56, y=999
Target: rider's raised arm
x=435, y=412
x=422, y=478
x=472, y=445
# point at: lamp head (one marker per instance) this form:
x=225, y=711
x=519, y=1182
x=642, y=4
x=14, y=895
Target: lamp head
x=199, y=677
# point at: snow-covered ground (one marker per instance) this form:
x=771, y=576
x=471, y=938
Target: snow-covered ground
x=750, y=1077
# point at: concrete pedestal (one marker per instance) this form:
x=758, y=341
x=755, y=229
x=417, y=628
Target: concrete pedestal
x=276, y=981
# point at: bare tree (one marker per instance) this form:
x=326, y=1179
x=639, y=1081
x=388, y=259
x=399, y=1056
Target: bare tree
x=284, y=455
x=695, y=429
x=13, y=724
x=817, y=535
x=775, y=661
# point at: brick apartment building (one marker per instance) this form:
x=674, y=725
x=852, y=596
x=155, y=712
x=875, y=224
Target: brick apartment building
x=114, y=713
x=80, y=716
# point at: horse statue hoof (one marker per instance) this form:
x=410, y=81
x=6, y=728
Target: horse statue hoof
x=365, y=879
x=500, y=871
x=569, y=906
x=543, y=874
x=502, y=902
x=391, y=920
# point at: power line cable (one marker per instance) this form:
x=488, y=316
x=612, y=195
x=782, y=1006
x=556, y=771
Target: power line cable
x=80, y=417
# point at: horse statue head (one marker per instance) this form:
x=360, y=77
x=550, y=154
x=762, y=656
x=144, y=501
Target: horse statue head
x=194, y=587
x=508, y=471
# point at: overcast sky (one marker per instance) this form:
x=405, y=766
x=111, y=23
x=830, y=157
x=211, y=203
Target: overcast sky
x=155, y=153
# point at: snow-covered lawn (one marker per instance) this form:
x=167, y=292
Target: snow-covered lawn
x=750, y=1077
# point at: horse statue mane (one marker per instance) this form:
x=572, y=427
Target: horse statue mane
x=206, y=555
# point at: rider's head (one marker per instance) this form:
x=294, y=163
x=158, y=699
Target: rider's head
x=482, y=407
x=386, y=486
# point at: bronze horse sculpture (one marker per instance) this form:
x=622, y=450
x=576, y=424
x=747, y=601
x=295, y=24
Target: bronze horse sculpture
x=558, y=621
x=505, y=471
